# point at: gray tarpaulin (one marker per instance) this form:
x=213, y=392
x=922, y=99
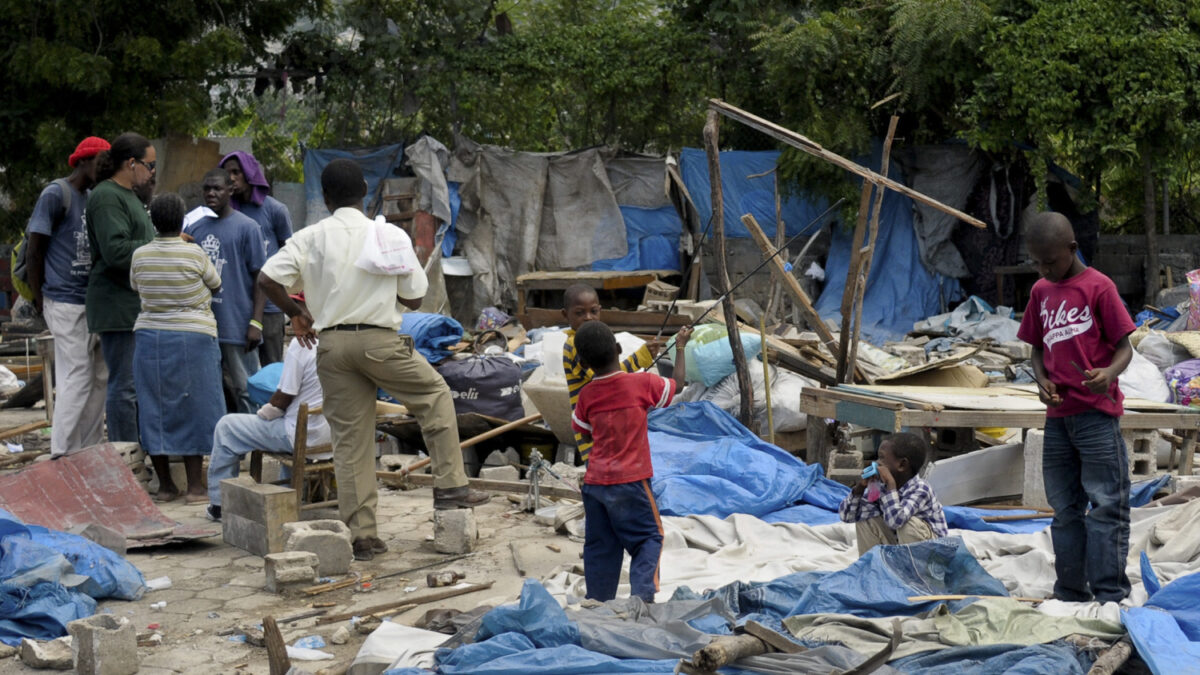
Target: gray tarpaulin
x=524, y=211
x=946, y=173
x=428, y=159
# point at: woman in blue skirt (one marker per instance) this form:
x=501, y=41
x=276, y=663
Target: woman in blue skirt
x=177, y=364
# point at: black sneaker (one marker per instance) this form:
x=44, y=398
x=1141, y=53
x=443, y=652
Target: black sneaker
x=213, y=513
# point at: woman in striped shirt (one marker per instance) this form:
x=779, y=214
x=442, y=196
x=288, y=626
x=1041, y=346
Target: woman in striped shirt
x=177, y=364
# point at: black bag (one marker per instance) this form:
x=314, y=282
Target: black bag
x=489, y=385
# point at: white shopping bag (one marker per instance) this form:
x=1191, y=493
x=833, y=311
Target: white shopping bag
x=387, y=250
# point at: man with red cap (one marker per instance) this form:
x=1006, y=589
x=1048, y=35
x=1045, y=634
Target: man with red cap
x=59, y=262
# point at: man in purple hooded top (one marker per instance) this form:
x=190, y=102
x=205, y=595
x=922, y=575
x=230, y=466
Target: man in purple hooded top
x=250, y=197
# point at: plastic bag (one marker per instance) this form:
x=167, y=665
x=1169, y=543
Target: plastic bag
x=387, y=250
x=1142, y=379
x=489, y=385
x=1193, y=278
x=1184, y=380
x=1160, y=351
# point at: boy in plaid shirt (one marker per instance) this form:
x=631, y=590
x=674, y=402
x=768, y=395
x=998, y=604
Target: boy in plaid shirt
x=906, y=511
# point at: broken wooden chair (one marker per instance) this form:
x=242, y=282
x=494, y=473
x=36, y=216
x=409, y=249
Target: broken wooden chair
x=312, y=479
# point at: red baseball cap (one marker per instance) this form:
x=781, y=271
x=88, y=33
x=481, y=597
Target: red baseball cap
x=88, y=147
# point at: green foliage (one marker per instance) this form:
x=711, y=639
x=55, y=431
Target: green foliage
x=74, y=69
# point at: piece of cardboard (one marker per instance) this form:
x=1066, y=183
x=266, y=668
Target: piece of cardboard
x=958, y=375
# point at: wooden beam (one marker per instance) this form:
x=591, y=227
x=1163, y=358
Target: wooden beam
x=801, y=143
x=868, y=253
x=849, y=289
x=712, y=129
x=510, y=486
x=789, y=282
x=419, y=600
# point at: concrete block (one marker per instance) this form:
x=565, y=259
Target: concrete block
x=1034, y=493
x=253, y=515
x=454, y=531
x=1181, y=483
x=509, y=473
x=104, y=644
x=328, y=539
x=106, y=537
x=291, y=568
x=52, y=655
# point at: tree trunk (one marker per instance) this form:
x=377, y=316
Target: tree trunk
x=1150, y=221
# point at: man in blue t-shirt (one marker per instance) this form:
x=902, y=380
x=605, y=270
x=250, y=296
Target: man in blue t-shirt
x=58, y=262
x=234, y=244
x=250, y=188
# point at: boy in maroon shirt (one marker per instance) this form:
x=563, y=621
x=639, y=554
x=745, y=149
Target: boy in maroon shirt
x=619, y=508
x=1079, y=331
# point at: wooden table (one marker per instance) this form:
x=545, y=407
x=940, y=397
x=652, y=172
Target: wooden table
x=893, y=408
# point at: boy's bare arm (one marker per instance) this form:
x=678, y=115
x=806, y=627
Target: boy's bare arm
x=1047, y=391
x=1100, y=379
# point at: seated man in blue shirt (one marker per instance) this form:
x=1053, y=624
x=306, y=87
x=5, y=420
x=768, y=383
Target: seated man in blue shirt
x=904, y=510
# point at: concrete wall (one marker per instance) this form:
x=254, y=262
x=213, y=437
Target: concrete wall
x=1123, y=258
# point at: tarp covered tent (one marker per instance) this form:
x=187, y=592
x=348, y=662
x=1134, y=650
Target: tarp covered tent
x=377, y=163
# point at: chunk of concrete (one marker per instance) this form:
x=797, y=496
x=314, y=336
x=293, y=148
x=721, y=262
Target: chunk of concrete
x=290, y=568
x=104, y=644
x=104, y=536
x=328, y=539
x=51, y=655
x=454, y=531
x=253, y=515
x=1033, y=493
x=509, y=473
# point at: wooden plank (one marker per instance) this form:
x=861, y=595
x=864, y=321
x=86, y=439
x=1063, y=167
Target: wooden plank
x=741, y=368
x=277, y=657
x=418, y=600
x=616, y=319
x=514, y=487
x=851, y=285
x=867, y=415
x=23, y=429
x=790, y=283
x=560, y=280
x=868, y=253
x=804, y=144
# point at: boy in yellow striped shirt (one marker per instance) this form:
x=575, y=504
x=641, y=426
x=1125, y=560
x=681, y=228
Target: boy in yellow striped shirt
x=580, y=305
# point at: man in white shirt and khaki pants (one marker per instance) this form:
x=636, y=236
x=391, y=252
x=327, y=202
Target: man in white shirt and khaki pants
x=357, y=314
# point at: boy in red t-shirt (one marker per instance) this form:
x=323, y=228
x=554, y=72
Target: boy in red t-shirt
x=619, y=508
x=1079, y=330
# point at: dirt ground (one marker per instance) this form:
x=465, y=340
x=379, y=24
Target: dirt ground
x=216, y=587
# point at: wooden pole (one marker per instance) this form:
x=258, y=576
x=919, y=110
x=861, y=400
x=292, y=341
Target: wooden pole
x=801, y=143
x=844, y=373
x=712, y=149
x=421, y=464
x=421, y=600
x=803, y=303
x=775, y=293
x=762, y=333
x=277, y=657
x=868, y=253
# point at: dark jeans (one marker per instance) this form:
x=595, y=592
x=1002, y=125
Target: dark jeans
x=271, y=349
x=121, y=406
x=620, y=518
x=1084, y=460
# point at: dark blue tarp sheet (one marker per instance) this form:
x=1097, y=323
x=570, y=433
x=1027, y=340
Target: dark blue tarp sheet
x=900, y=290
x=878, y=584
x=706, y=463
x=377, y=164
x=35, y=563
x=743, y=194
x=1166, y=630
x=898, y=293
x=1056, y=657
x=432, y=334
x=653, y=238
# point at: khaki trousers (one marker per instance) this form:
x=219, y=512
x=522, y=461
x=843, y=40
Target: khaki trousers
x=351, y=365
x=874, y=532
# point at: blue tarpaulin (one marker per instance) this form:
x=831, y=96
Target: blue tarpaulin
x=1166, y=630
x=377, y=164
x=900, y=290
x=653, y=238
x=432, y=334
x=50, y=578
x=706, y=463
x=263, y=384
